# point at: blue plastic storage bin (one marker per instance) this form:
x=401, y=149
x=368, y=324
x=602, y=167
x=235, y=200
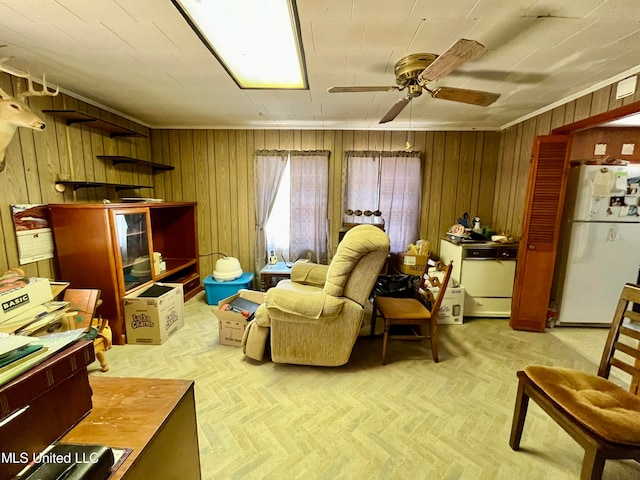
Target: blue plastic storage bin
x=216, y=290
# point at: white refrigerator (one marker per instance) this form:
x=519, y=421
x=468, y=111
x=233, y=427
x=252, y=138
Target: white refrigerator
x=600, y=243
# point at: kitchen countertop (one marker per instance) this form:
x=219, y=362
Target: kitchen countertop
x=482, y=243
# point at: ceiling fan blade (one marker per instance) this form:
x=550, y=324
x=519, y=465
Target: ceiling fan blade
x=472, y=97
x=457, y=54
x=362, y=89
x=396, y=109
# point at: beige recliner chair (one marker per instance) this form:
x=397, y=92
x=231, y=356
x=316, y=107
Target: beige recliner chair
x=315, y=317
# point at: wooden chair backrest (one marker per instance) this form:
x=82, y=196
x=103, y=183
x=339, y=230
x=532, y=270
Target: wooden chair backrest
x=84, y=301
x=622, y=349
x=428, y=281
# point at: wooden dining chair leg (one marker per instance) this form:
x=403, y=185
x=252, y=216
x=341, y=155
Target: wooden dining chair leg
x=433, y=334
x=385, y=339
x=374, y=315
x=519, y=416
x=592, y=464
x=103, y=361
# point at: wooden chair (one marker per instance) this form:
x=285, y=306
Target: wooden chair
x=413, y=312
x=83, y=305
x=601, y=416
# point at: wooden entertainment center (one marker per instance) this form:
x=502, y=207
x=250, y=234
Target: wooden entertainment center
x=111, y=247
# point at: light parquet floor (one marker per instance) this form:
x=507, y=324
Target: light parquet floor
x=411, y=419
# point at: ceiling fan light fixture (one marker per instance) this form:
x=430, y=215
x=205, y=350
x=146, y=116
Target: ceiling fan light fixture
x=257, y=42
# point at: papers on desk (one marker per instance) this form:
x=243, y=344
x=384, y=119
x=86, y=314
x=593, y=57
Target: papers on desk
x=50, y=345
x=35, y=318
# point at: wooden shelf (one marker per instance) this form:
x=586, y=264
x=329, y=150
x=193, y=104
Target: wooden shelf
x=116, y=159
x=175, y=265
x=118, y=186
x=72, y=117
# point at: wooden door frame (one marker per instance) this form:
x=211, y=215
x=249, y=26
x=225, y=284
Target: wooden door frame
x=598, y=119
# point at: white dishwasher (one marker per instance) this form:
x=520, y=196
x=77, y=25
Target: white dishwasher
x=487, y=271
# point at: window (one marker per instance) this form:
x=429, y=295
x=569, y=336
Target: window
x=392, y=183
x=294, y=189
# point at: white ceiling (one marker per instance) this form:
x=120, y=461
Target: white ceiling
x=139, y=58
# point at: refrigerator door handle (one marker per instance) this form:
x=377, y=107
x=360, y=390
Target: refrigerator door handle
x=581, y=237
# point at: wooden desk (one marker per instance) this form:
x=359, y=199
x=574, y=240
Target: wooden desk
x=156, y=418
x=271, y=274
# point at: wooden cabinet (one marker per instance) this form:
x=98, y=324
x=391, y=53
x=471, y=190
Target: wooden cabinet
x=111, y=246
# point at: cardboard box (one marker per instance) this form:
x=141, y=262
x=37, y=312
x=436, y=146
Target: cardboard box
x=151, y=320
x=452, y=306
x=412, y=264
x=231, y=324
x=19, y=294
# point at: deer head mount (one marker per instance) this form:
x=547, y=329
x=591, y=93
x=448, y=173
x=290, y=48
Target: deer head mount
x=14, y=112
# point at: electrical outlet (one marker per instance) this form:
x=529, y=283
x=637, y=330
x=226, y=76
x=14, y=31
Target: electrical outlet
x=627, y=148
x=600, y=149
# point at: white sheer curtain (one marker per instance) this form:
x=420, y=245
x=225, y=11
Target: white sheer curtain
x=363, y=184
x=309, y=205
x=392, y=183
x=268, y=169
x=400, y=199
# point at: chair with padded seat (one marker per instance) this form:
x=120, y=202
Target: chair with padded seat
x=315, y=317
x=415, y=313
x=601, y=416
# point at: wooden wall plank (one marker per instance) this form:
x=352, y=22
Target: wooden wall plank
x=211, y=220
x=223, y=190
x=465, y=180
x=201, y=166
x=483, y=172
x=488, y=169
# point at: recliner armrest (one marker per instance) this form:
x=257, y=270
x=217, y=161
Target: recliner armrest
x=309, y=273
x=310, y=305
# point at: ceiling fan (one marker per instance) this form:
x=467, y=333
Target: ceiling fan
x=414, y=72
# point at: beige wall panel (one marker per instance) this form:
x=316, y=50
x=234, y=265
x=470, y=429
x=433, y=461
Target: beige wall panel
x=201, y=190
x=543, y=123
x=237, y=184
x=211, y=222
x=175, y=160
x=426, y=223
x=223, y=191
x=518, y=199
x=187, y=165
x=514, y=176
x=600, y=101
x=503, y=187
x=569, y=112
x=488, y=168
x=448, y=213
x=155, y=141
x=476, y=175
x=464, y=182
x=557, y=119
x=583, y=107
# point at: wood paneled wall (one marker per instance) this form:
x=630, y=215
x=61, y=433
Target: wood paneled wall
x=583, y=144
x=482, y=173
x=35, y=158
x=215, y=169
x=516, y=145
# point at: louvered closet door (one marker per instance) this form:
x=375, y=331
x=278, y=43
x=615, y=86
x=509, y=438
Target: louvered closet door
x=540, y=231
